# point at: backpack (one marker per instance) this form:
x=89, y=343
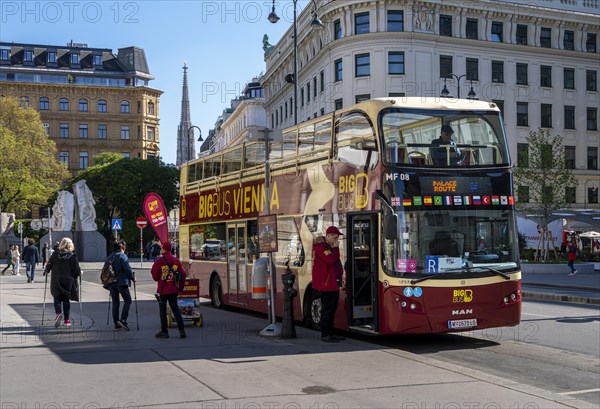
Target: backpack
x=107, y=275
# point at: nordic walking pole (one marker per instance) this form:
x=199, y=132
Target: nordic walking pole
x=137, y=319
x=44, y=304
x=80, y=304
x=108, y=311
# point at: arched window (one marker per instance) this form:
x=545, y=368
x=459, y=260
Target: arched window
x=83, y=105
x=102, y=105
x=124, y=107
x=44, y=104
x=63, y=104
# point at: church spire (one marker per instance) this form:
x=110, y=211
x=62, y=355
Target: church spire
x=186, y=147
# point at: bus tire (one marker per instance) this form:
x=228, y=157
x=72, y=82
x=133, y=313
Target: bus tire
x=216, y=292
x=312, y=309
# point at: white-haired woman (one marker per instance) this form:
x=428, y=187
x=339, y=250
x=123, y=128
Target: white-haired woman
x=65, y=270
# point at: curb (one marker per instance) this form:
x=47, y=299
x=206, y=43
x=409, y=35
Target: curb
x=561, y=298
x=569, y=287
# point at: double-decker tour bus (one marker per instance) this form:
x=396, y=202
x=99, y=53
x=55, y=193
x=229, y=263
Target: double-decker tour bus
x=429, y=245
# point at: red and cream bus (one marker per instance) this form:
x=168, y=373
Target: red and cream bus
x=426, y=247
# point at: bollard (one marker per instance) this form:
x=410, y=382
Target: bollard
x=288, y=328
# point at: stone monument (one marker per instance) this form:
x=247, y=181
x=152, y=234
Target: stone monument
x=89, y=244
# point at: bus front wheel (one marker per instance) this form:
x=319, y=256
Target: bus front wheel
x=216, y=293
x=312, y=309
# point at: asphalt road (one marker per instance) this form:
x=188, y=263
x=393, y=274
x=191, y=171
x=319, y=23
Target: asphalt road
x=555, y=347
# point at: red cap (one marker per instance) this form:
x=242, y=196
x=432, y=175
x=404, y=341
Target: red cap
x=166, y=246
x=333, y=230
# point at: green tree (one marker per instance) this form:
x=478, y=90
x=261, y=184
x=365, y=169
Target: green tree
x=119, y=188
x=30, y=172
x=544, y=175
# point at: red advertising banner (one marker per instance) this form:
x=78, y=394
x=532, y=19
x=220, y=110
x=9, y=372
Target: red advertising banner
x=156, y=213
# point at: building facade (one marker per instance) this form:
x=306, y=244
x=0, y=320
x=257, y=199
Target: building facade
x=241, y=122
x=89, y=99
x=538, y=60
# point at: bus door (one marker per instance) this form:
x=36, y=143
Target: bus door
x=361, y=271
x=236, y=264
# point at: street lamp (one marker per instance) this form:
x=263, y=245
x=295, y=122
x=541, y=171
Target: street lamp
x=446, y=94
x=293, y=78
x=586, y=192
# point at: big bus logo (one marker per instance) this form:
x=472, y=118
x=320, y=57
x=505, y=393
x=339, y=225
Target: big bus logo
x=459, y=296
x=353, y=191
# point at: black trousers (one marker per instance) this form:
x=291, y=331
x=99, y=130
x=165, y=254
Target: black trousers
x=62, y=301
x=329, y=304
x=172, y=300
x=115, y=291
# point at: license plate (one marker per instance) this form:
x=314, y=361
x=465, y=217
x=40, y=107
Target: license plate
x=457, y=324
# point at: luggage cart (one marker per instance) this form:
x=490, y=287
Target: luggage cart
x=189, y=304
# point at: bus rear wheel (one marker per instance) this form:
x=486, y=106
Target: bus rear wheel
x=312, y=309
x=216, y=293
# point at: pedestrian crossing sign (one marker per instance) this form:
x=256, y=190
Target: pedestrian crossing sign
x=116, y=224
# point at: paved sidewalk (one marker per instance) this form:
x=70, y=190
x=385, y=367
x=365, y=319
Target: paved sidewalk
x=580, y=288
x=224, y=364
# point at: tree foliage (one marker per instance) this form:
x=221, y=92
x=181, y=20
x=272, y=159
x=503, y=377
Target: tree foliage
x=546, y=175
x=30, y=172
x=120, y=186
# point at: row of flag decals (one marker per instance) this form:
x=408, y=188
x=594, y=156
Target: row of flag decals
x=453, y=201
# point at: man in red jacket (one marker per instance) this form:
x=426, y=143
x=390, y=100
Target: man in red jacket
x=164, y=271
x=326, y=278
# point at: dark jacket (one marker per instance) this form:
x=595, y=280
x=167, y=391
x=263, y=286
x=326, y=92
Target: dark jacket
x=65, y=270
x=120, y=263
x=166, y=281
x=31, y=254
x=327, y=267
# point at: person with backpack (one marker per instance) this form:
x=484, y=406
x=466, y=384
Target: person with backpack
x=120, y=287
x=170, y=275
x=65, y=270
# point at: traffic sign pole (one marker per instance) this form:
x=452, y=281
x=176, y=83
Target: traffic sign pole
x=141, y=223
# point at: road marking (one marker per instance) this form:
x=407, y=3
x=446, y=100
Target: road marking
x=540, y=315
x=579, y=392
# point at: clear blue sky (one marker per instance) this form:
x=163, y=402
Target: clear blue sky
x=221, y=41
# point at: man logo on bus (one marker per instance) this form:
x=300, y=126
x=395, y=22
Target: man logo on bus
x=462, y=296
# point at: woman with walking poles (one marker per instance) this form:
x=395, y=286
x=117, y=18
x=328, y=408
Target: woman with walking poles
x=65, y=272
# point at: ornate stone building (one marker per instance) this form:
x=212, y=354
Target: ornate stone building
x=90, y=100
x=538, y=60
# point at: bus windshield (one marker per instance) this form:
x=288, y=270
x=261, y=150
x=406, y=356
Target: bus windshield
x=413, y=137
x=460, y=241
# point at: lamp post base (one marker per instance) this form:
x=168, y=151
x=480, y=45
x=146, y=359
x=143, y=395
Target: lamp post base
x=271, y=330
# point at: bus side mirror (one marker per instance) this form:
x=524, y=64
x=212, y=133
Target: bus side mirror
x=390, y=224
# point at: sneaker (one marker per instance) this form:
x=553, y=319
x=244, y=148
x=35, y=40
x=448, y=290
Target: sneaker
x=32, y=281
x=162, y=334
x=329, y=338
x=573, y=273
x=18, y=274
x=123, y=324
x=117, y=327
x=28, y=280
x=57, y=320
x=182, y=334
x=68, y=323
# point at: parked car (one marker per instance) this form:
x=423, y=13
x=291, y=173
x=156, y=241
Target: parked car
x=213, y=247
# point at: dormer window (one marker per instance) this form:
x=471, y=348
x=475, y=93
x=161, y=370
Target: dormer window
x=51, y=58
x=74, y=58
x=97, y=59
x=4, y=54
x=28, y=56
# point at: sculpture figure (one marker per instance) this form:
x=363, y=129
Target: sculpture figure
x=267, y=47
x=10, y=227
x=86, y=213
x=62, y=211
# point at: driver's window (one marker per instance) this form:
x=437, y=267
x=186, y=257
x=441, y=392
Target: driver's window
x=355, y=139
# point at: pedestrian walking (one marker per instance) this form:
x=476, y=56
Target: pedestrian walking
x=572, y=256
x=124, y=274
x=16, y=259
x=31, y=257
x=9, y=261
x=327, y=278
x=170, y=275
x=64, y=271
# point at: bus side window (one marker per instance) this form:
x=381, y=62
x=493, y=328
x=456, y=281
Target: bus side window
x=355, y=139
